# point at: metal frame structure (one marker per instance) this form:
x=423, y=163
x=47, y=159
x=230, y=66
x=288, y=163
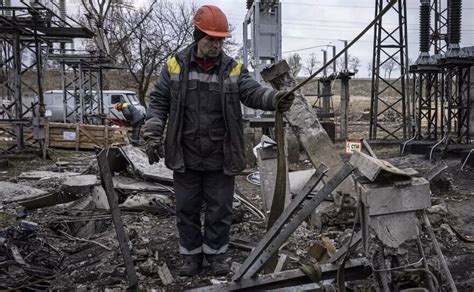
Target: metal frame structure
x=29, y=29
x=263, y=24
x=389, y=45
x=439, y=26
x=264, y=46
x=456, y=101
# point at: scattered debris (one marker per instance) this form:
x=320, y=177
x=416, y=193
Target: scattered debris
x=139, y=163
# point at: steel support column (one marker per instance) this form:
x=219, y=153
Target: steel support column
x=389, y=95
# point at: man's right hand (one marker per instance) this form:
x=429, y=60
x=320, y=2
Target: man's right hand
x=154, y=150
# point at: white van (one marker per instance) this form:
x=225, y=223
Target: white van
x=53, y=100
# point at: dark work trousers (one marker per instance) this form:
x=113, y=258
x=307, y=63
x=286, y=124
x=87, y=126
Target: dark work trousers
x=215, y=189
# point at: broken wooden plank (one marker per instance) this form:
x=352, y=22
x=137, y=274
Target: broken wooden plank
x=281, y=263
x=107, y=184
x=165, y=275
x=139, y=161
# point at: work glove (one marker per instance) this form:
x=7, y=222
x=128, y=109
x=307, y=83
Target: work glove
x=154, y=150
x=283, y=104
x=153, y=135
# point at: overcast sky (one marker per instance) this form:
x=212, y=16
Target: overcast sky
x=310, y=23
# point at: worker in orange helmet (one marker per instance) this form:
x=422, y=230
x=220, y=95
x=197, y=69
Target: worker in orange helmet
x=134, y=117
x=198, y=98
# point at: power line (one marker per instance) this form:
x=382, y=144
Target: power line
x=303, y=49
x=351, y=6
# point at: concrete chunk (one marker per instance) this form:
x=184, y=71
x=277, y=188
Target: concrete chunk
x=139, y=162
x=12, y=192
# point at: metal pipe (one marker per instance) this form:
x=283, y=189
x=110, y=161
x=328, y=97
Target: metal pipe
x=452, y=285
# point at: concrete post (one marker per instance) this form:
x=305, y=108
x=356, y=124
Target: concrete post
x=344, y=106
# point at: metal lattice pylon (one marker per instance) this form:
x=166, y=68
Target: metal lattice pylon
x=389, y=95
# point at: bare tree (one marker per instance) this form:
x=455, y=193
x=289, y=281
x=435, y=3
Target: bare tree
x=354, y=64
x=143, y=39
x=311, y=64
x=389, y=66
x=369, y=68
x=294, y=62
x=97, y=12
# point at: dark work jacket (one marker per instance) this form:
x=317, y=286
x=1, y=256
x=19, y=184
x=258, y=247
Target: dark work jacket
x=203, y=120
x=167, y=105
x=133, y=115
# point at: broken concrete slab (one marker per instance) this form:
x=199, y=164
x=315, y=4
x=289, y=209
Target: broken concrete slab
x=99, y=197
x=12, y=192
x=139, y=162
x=318, y=146
x=71, y=189
x=371, y=167
x=392, y=229
x=41, y=174
x=130, y=184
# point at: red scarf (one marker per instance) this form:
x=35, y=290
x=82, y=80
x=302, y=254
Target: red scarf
x=206, y=64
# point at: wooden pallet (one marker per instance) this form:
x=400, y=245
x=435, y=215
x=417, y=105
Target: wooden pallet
x=72, y=136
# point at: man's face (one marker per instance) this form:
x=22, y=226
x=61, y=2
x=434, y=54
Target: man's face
x=210, y=47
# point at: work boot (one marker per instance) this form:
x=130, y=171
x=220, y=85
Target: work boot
x=219, y=267
x=192, y=265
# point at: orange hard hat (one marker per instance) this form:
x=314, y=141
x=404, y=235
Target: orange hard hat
x=212, y=21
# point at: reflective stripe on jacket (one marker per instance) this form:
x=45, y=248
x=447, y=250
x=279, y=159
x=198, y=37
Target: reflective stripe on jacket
x=235, y=85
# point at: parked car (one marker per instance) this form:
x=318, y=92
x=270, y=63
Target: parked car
x=53, y=100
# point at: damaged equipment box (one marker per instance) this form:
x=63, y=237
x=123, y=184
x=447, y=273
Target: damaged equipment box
x=405, y=196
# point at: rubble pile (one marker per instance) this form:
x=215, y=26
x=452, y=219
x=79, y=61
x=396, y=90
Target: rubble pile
x=26, y=258
x=56, y=231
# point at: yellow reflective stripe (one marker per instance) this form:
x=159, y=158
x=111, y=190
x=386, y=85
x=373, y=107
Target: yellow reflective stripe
x=236, y=70
x=173, y=66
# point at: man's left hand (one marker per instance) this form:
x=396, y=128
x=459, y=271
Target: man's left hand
x=283, y=103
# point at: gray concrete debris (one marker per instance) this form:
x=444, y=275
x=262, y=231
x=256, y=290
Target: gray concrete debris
x=395, y=229
x=71, y=189
x=12, y=192
x=130, y=184
x=99, y=197
x=149, y=202
x=313, y=138
x=165, y=275
x=38, y=175
x=371, y=167
x=139, y=163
